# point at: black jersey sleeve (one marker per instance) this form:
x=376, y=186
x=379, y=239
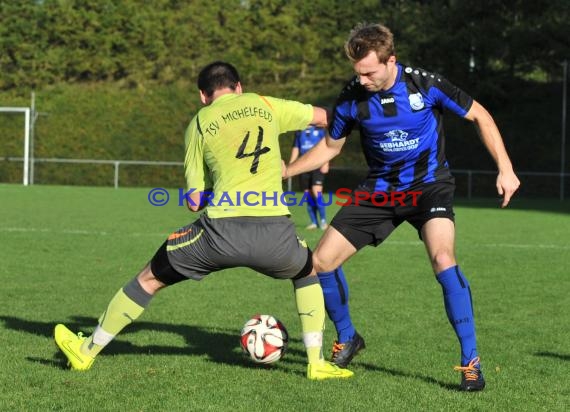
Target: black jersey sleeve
x=350, y=107
x=443, y=93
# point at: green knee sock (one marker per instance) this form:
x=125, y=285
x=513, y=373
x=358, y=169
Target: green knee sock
x=125, y=307
x=311, y=309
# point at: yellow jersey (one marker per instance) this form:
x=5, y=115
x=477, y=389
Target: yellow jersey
x=232, y=147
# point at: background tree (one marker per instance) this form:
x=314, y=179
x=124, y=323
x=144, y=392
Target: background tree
x=118, y=76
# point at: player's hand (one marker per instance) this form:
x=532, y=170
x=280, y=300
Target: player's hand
x=507, y=185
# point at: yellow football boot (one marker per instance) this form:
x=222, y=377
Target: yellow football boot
x=70, y=345
x=326, y=370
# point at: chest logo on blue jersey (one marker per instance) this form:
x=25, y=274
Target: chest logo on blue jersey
x=416, y=101
x=398, y=142
x=397, y=135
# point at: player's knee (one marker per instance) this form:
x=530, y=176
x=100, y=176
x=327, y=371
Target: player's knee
x=322, y=265
x=317, y=192
x=148, y=281
x=307, y=269
x=442, y=260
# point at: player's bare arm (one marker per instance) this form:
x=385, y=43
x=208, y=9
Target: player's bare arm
x=197, y=201
x=507, y=181
x=320, y=117
x=294, y=155
x=320, y=154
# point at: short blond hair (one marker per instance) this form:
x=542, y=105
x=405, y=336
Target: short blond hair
x=367, y=37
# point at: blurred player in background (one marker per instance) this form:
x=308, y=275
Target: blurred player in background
x=312, y=182
x=398, y=111
x=231, y=147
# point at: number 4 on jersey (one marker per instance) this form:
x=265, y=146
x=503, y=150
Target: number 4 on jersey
x=256, y=153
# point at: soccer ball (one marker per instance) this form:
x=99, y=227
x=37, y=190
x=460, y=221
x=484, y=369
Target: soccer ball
x=264, y=339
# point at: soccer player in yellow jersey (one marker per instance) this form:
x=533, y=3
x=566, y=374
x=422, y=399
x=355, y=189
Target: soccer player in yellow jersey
x=233, y=170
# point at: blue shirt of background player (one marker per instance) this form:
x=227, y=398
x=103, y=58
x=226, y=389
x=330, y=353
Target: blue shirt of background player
x=401, y=128
x=307, y=138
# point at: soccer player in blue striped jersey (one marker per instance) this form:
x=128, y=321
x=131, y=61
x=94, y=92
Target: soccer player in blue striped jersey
x=398, y=111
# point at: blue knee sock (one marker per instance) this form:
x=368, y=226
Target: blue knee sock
x=457, y=299
x=311, y=210
x=335, y=291
x=322, y=212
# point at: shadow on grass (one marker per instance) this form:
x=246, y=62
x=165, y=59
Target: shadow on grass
x=221, y=346
x=397, y=373
x=554, y=355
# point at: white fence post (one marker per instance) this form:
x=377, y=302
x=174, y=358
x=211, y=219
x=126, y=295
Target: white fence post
x=117, y=163
x=27, y=149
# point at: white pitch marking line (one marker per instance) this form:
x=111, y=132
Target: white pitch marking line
x=496, y=245
x=388, y=242
x=75, y=232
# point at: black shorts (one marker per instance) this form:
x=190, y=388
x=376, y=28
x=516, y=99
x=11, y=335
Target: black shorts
x=310, y=179
x=371, y=221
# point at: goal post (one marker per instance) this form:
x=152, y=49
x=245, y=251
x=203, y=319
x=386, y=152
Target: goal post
x=26, y=111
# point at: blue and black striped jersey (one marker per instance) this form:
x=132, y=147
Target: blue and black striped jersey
x=401, y=128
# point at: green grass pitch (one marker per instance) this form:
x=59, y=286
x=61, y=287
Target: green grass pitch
x=65, y=251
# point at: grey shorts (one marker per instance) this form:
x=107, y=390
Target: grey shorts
x=268, y=245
